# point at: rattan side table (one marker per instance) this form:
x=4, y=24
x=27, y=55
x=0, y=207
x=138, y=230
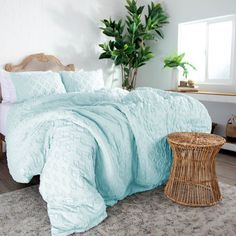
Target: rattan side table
x=193, y=180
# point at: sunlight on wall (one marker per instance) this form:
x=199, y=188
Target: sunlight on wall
x=68, y=29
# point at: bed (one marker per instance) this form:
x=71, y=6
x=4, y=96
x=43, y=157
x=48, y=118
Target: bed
x=4, y=109
x=34, y=62
x=94, y=148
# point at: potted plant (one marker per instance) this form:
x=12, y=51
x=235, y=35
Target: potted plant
x=175, y=61
x=128, y=47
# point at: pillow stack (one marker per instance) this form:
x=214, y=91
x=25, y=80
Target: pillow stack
x=22, y=86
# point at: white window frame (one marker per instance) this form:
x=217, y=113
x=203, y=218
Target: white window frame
x=207, y=81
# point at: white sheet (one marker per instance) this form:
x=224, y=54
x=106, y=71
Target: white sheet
x=4, y=109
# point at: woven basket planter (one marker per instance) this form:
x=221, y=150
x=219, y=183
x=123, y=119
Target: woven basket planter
x=193, y=180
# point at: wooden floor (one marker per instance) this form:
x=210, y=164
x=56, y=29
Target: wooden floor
x=225, y=168
x=7, y=184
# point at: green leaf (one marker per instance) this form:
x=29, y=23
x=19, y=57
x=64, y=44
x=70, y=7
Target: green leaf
x=119, y=44
x=102, y=46
x=115, y=53
x=118, y=60
x=105, y=55
x=161, y=35
x=109, y=32
x=140, y=10
x=126, y=46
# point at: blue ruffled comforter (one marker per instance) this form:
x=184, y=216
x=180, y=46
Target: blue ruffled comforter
x=93, y=149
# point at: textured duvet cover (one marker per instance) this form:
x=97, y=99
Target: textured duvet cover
x=93, y=149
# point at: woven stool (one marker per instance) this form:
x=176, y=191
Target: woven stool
x=193, y=180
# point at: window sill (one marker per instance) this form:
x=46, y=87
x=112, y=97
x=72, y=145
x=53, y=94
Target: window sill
x=212, y=96
x=216, y=84
x=225, y=89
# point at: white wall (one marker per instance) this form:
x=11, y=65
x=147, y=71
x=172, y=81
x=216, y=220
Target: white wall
x=68, y=29
x=180, y=11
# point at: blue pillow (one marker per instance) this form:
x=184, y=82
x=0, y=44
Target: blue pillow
x=21, y=86
x=82, y=81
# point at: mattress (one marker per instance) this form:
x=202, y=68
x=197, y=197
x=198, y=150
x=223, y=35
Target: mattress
x=4, y=109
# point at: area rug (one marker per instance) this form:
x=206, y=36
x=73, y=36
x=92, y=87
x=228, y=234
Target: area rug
x=23, y=212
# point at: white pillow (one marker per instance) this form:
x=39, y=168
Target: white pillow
x=21, y=86
x=82, y=81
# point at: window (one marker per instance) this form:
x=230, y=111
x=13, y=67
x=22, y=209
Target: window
x=209, y=46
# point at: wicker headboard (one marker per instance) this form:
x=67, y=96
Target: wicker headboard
x=39, y=62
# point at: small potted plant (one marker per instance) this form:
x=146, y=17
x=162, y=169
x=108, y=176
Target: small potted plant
x=175, y=62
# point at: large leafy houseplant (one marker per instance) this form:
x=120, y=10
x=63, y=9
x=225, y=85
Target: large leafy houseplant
x=128, y=47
